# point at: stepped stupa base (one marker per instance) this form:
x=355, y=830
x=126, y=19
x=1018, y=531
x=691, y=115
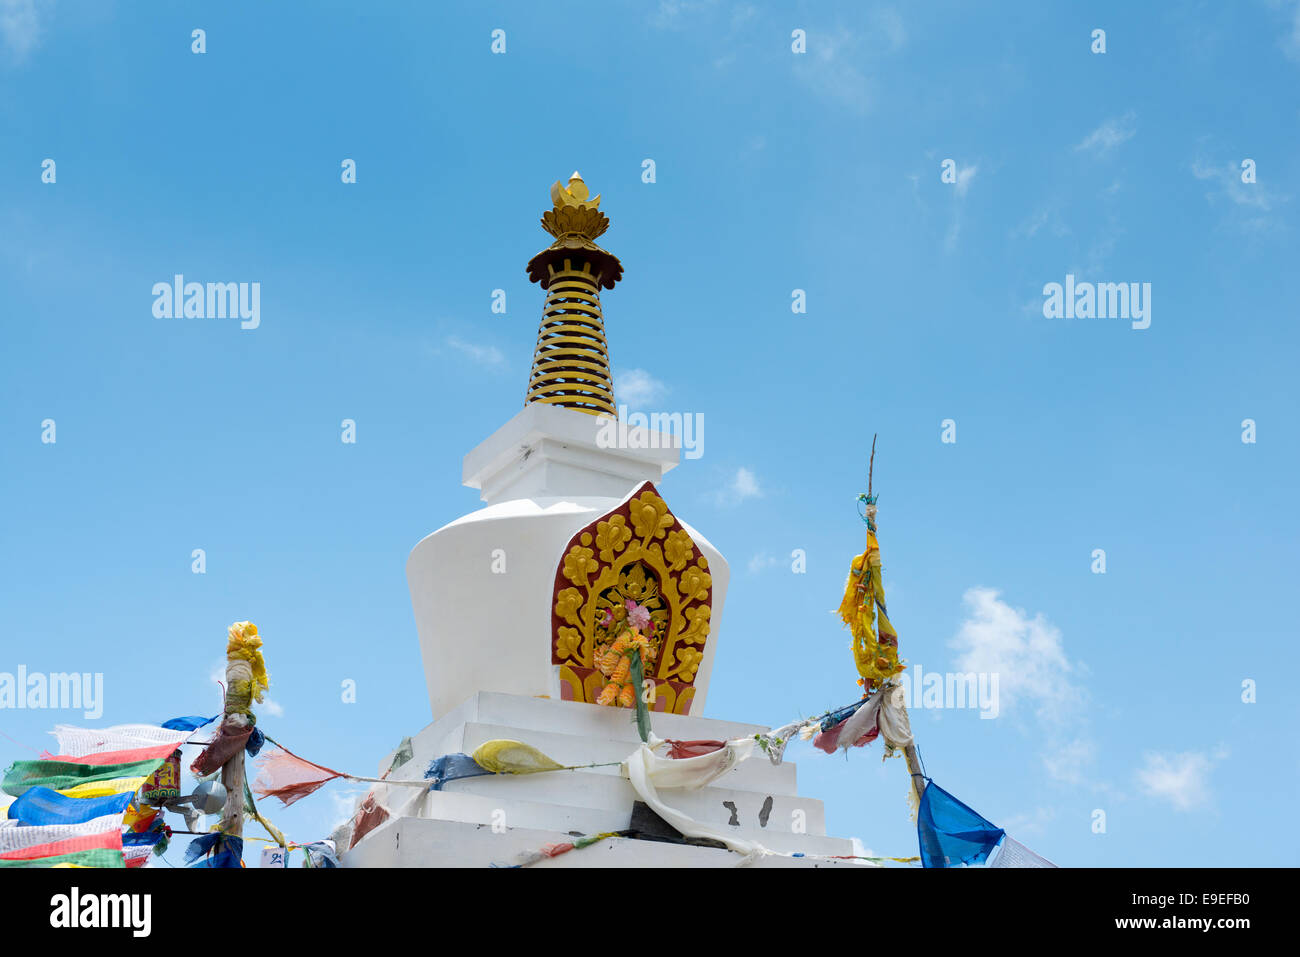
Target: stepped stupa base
x=417, y=842
x=492, y=819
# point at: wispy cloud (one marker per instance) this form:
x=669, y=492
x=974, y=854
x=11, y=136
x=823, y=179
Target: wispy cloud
x=831, y=65
x=483, y=355
x=20, y=26
x=1029, y=824
x=1249, y=206
x=743, y=485
x=680, y=14
x=1027, y=654
x=762, y=562
x=1034, y=672
x=1109, y=135
x=637, y=387
x=887, y=22
x=1098, y=254
x=1290, y=41
x=1181, y=779
x=1067, y=760
x=1044, y=217
x=965, y=176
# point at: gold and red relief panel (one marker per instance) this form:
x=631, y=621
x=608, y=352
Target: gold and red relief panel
x=633, y=570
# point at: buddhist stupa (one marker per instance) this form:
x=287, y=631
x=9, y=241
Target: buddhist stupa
x=517, y=604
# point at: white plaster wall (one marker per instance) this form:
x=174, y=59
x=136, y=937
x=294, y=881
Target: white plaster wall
x=481, y=631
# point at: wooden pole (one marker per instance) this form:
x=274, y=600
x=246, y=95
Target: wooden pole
x=909, y=752
x=871, y=466
x=914, y=765
x=235, y=720
x=232, y=776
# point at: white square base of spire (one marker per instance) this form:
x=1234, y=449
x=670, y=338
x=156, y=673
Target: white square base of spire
x=548, y=450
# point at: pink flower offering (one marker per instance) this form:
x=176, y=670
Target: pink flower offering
x=637, y=616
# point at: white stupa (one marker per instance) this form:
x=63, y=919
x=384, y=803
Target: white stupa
x=515, y=602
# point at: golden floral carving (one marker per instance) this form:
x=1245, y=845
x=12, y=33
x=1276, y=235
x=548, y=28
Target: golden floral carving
x=678, y=550
x=634, y=568
x=695, y=582
x=567, y=604
x=579, y=565
x=568, y=642
x=698, y=628
x=688, y=662
x=611, y=536
x=650, y=516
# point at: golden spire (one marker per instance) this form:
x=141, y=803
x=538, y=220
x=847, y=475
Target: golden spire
x=571, y=362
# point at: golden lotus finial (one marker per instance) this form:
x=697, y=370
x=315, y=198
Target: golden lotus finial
x=575, y=194
x=571, y=363
x=575, y=222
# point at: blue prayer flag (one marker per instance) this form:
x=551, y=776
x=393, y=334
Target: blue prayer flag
x=43, y=806
x=951, y=834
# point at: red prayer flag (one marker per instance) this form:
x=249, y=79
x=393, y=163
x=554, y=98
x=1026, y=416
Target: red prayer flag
x=284, y=775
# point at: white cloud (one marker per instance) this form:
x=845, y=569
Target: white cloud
x=952, y=235
x=1030, y=824
x=1034, y=672
x=1181, y=779
x=887, y=21
x=1291, y=35
x=680, y=14
x=965, y=175
x=829, y=68
x=1228, y=176
x=761, y=562
x=1068, y=761
x=1045, y=216
x=1249, y=205
x=273, y=708
x=1110, y=134
x=1026, y=653
x=20, y=26
x=860, y=849
x=1098, y=253
x=743, y=13
x=483, y=355
x=636, y=387
x=743, y=485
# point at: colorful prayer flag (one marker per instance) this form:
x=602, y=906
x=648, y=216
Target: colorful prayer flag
x=951, y=834
x=284, y=775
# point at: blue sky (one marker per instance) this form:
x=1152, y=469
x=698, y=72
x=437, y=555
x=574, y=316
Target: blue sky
x=775, y=171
